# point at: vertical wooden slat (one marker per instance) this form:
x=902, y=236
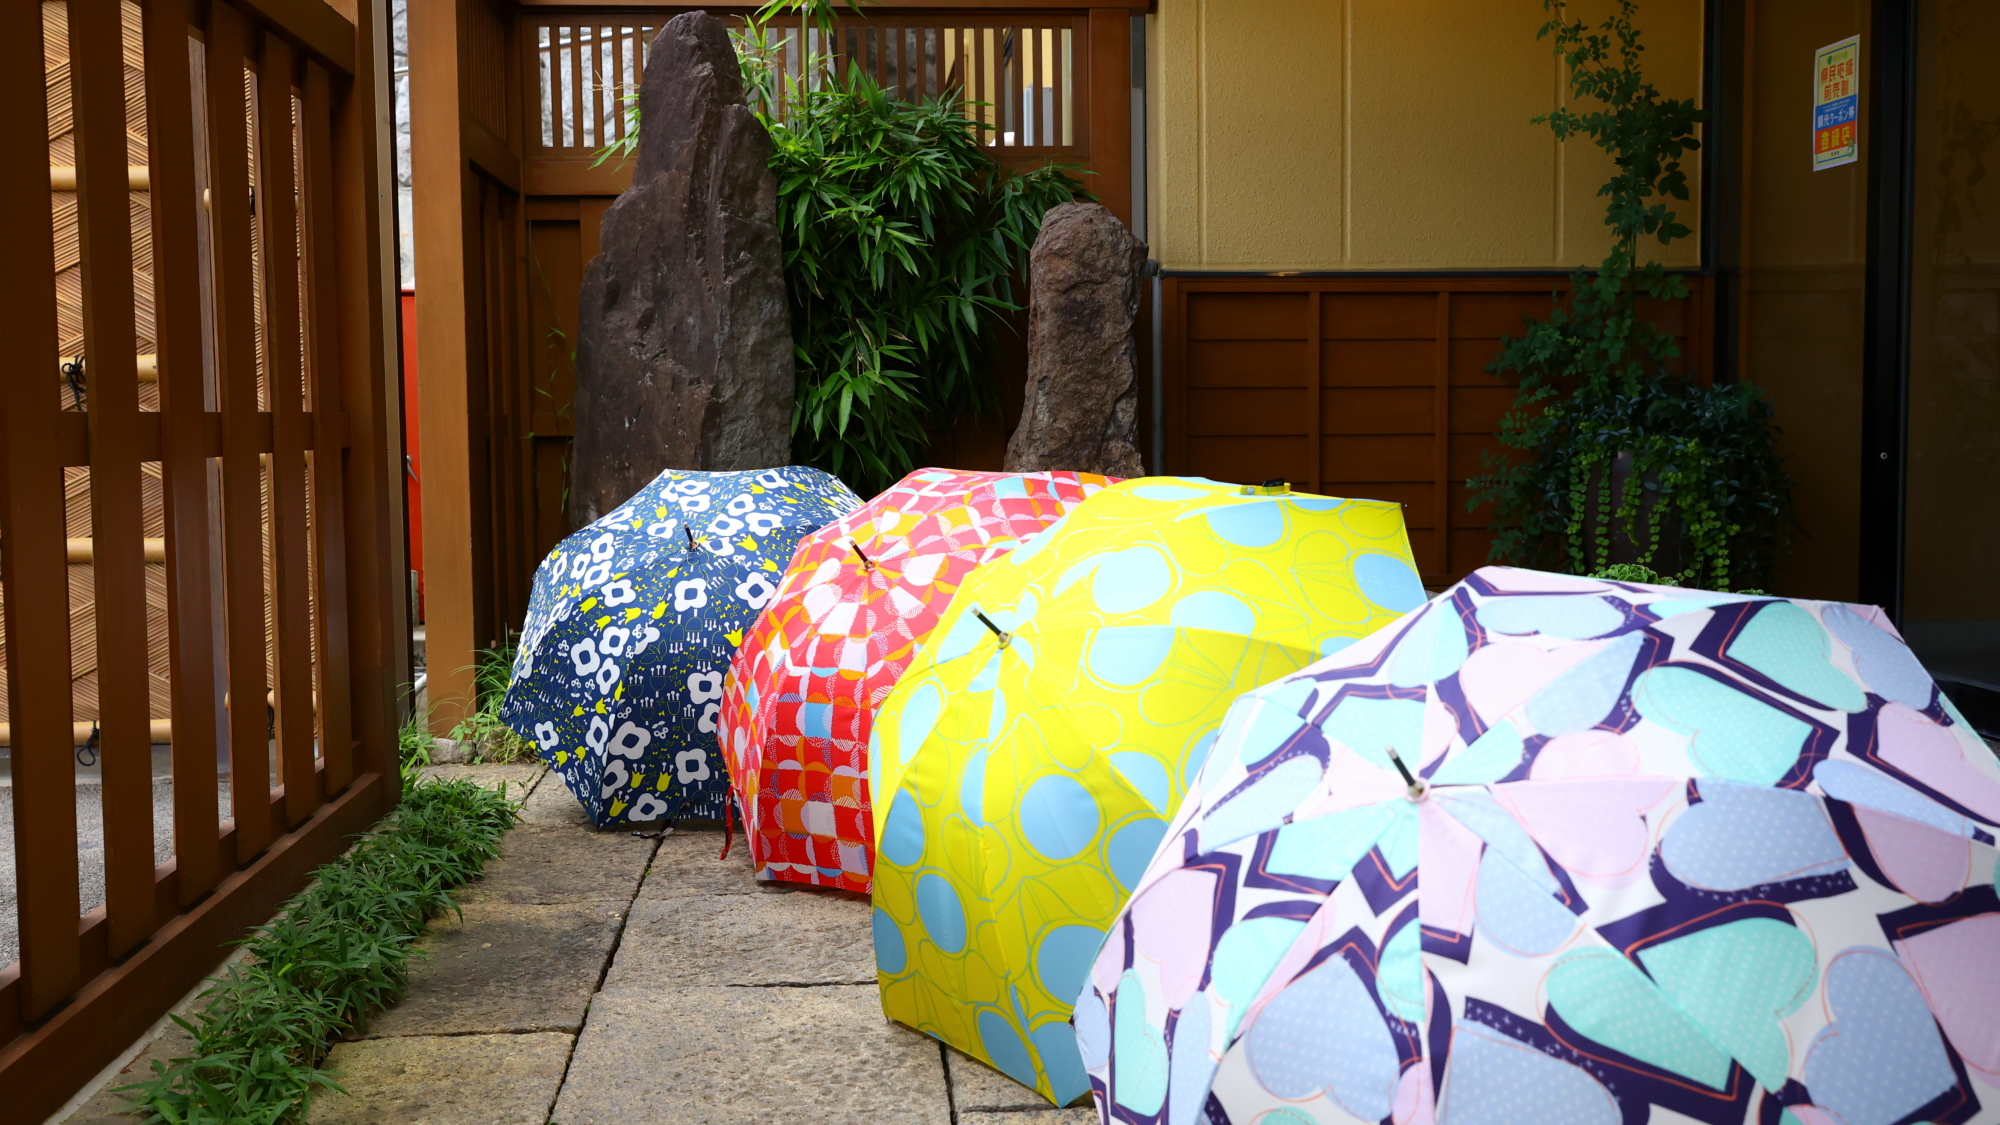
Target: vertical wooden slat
x=1066, y=93
x=324, y=347
x=620, y=39
x=236, y=378
x=177, y=313
x=577, y=62
x=1440, y=552
x=378, y=606
x=33, y=564
x=118, y=570
x=277, y=211
x=1315, y=375
x=1014, y=81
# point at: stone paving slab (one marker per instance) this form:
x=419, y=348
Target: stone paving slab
x=719, y=1056
x=553, y=806
x=976, y=1087
x=778, y=939
x=505, y=967
x=520, y=777
x=689, y=864
x=445, y=1080
x=544, y=866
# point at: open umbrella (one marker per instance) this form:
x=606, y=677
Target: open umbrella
x=1028, y=760
x=631, y=624
x=1659, y=854
x=859, y=596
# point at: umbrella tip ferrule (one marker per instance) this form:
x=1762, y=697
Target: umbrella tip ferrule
x=1268, y=488
x=866, y=562
x=1004, y=636
x=1417, y=788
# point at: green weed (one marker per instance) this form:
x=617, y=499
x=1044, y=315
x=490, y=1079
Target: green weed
x=493, y=740
x=340, y=950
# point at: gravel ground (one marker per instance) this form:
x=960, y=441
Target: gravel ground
x=89, y=841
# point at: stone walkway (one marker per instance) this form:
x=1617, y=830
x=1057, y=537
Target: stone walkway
x=601, y=978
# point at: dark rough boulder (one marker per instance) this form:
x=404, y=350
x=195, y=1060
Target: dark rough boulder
x=684, y=341
x=1082, y=404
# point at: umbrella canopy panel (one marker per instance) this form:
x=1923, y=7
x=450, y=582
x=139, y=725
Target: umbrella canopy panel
x=861, y=594
x=1731, y=857
x=631, y=626
x=1029, y=760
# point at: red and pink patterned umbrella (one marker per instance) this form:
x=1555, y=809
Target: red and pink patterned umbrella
x=858, y=598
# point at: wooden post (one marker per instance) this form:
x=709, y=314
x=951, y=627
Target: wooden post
x=446, y=221
x=370, y=376
x=1111, y=109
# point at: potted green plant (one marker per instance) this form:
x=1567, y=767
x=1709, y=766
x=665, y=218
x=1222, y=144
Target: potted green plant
x=1618, y=459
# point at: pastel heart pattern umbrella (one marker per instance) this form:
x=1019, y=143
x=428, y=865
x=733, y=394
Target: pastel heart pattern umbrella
x=1561, y=849
x=1027, y=763
x=859, y=597
x=631, y=625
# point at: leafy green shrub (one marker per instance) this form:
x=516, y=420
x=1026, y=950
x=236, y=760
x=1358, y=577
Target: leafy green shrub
x=902, y=237
x=1702, y=481
x=339, y=951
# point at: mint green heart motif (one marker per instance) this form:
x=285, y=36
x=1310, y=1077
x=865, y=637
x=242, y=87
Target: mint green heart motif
x=1736, y=981
x=1785, y=643
x=1714, y=995
x=1731, y=734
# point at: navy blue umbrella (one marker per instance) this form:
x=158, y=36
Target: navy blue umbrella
x=632, y=623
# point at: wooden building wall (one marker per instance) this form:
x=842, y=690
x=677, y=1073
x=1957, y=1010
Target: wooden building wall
x=1363, y=387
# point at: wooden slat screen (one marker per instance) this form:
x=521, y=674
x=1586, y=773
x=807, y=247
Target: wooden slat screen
x=1363, y=387
x=224, y=457
x=1024, y=78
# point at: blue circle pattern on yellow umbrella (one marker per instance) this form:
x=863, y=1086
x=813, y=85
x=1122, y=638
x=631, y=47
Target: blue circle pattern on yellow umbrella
x=1024, y=783
x=631, y=625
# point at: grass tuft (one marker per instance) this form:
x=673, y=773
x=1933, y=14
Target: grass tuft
x=492, y=739
x=338, y=952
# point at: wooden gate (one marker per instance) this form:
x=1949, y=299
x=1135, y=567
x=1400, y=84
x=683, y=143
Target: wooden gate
x=510, y=108
x=1363, y=386
x=211, y=240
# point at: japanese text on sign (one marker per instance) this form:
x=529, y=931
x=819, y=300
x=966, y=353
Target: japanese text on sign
x=1837, y=104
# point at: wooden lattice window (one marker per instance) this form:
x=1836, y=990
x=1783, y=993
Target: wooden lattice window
x=1020, y=77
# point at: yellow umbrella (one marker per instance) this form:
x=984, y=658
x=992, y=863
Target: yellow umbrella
x=1029, y=760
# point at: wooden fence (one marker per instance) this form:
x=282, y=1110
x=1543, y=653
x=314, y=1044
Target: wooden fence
x=204, y=185
x=1363, y=386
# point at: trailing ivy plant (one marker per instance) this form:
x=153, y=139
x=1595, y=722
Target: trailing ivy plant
x=1701, y=482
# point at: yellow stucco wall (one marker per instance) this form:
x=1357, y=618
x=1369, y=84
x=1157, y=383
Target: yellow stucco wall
x=1380, y=134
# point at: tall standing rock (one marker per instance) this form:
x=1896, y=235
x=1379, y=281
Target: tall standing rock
x=684, y=340
x=1082, y=404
